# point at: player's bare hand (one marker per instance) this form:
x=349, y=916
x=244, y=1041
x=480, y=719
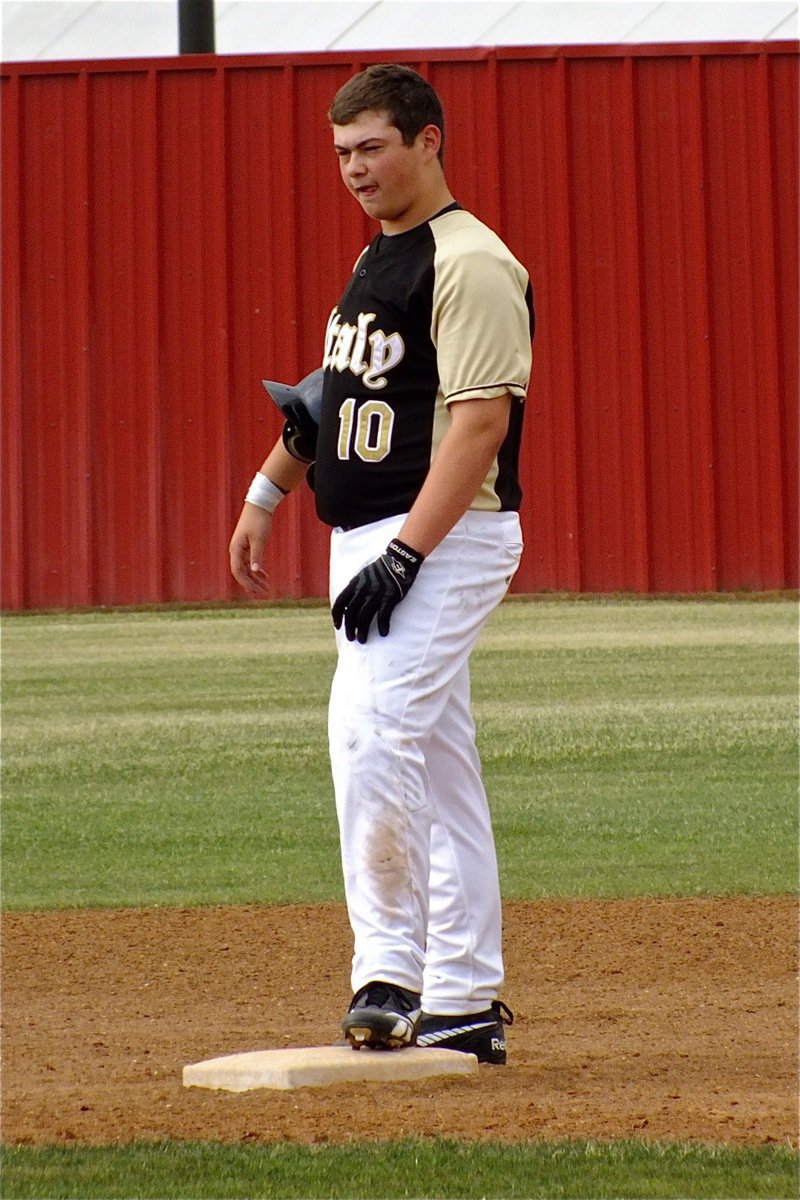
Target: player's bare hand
x=247, y=549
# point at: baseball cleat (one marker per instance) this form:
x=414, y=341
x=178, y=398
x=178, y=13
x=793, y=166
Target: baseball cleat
x=481, y=1034
x=382, y=1016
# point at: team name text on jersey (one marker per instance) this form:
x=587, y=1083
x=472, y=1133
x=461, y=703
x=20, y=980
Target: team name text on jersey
x=346, y=348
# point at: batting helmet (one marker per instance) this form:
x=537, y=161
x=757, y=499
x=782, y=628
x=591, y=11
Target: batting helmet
x=301, y=404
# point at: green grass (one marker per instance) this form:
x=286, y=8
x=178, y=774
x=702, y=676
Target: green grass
x=180, y=757
x=402, y=1169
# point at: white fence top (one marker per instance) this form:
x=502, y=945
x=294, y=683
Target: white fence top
x=98, y=29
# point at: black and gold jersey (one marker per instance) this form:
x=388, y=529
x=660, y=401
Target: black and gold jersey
x=438, y=314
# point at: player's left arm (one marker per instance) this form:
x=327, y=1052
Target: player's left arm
x=481, y=327
x=460, y=465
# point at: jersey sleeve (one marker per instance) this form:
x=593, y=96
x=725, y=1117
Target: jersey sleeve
x=481, y=318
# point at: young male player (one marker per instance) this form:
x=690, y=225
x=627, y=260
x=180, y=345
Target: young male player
x=426, y=363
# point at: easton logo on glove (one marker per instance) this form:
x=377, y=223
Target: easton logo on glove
x=376, y=591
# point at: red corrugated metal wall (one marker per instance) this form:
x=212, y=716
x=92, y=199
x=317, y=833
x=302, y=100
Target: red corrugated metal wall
x=174, y=230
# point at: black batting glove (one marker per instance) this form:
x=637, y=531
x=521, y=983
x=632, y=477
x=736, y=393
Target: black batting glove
x=377, y=589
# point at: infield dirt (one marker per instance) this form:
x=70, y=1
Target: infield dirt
x=634, y=1018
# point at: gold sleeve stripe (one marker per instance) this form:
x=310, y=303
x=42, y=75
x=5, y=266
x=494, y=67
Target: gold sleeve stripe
x=483, y=389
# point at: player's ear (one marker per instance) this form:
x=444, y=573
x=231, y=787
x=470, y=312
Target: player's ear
x=431, y=140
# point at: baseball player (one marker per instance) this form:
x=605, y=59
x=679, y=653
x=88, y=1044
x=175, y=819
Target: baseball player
x=413, y=426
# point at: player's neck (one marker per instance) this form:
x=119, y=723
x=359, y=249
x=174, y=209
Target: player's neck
x=425, y=206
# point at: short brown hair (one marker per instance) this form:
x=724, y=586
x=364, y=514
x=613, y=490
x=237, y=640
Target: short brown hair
x=408, y=100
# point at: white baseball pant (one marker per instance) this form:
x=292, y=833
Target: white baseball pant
x=418, y=854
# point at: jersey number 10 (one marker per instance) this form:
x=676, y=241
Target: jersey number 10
x=367, y=431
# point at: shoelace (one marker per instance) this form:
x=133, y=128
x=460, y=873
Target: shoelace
x=380, y=994
x=504, y=1013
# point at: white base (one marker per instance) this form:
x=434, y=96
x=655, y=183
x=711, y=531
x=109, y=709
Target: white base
x=318, y=1066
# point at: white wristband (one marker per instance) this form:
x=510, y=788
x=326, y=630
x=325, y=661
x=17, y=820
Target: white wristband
x=264, y=493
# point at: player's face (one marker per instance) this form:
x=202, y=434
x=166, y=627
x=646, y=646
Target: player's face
x=387, y=177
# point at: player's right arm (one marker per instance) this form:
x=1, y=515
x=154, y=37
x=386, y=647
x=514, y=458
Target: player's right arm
x=254, y=527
